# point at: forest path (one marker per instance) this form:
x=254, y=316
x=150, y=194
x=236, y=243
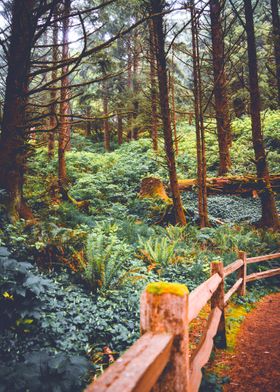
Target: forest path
x=255, y=365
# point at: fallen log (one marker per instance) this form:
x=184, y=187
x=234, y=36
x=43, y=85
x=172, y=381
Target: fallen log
x=238, y=185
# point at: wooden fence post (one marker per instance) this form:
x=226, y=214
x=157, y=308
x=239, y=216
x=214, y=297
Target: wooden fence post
x=164, y=309
x=217, y=300
x=242, y=273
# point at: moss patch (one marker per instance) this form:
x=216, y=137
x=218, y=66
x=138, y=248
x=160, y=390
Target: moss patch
x=216, y=261
x=159, y=288
x=235, y=314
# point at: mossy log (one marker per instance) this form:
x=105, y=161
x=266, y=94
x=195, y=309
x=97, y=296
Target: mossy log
x=237, y=185
x=152, y=187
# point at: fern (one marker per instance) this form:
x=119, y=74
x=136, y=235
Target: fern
x=107, y=260
x=159, y=251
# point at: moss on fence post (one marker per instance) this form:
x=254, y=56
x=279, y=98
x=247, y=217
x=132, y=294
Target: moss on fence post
x=164, y=309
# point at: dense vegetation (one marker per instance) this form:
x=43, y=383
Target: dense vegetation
x=95, y=259
x=78, y=241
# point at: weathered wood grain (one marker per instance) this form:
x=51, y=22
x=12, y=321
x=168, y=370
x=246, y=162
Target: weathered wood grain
x=202, y=294
x=139, y=368
x=159, y=360
x=203, y=351
x=232, y=290
x=257, y=259
x=218, y=300
x=168, y=312
x=242, y=273
x=229, y=269
x=263, y=274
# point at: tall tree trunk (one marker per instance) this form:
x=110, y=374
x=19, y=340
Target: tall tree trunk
x=220, y=89
x=64, y=135
x=129, y=86
x=53, y=120
x=105, y=113
x=154, y=119
x=199, y=124
x=172, y=88
x=276, y=41
x=14, y=124
x=120, y=129
x=136, y=59
x=269, y=211
x=129, y=64
x=88, y=123
x=120, y=87
x=157, y=7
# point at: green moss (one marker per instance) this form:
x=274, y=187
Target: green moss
x=159, y=288
x=235, y=314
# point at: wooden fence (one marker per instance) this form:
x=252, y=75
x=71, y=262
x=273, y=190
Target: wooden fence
x=160, y=358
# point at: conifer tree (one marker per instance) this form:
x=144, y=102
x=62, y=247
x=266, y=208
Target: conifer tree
x=269, y=212
x=220, y=89
x=157, y=7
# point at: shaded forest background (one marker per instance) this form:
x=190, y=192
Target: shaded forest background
x=114, y=118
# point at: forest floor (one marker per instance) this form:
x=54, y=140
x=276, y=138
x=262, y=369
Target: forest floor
x=254, y=366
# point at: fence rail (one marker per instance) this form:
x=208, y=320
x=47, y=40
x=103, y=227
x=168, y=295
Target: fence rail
x=160, y=358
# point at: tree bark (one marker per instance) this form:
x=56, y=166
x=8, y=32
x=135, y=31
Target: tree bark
x=276, y=41
x=53, y=94
x=88, y=123
x=136, y=59
x=157, y=7
x=269, y=212
x=172, y=87
x=153, y=82
x=220, y=89
x=64, y=132
x=14, y=124
x=233, y=185
x=120, y=129
x=105, y=113
x=129, y=86
x=199, y=124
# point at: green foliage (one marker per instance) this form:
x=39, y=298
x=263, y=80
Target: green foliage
x=212, y=383
x=98, y=305
x=229, y=209
x=226, y=240
x=159, y=252
x=130, y=231
x=175, y=233
x=45, y=242
x=242, y=148
x=23, y=295
x=242, y=153
x=20, y=292
x=191, y=274
x=46, y=372
x=107, y=255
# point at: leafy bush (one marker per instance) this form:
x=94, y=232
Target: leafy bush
x=107, y=256
x=242, y=153
x=46, y=242
x=44, y=371
x=23, y=295
x=72, y=323
x=20, y=292
x=192, y=274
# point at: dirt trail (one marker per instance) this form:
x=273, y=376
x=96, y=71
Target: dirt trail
x=255, y=366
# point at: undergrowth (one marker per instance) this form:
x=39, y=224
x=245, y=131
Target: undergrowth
x=93, y=259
